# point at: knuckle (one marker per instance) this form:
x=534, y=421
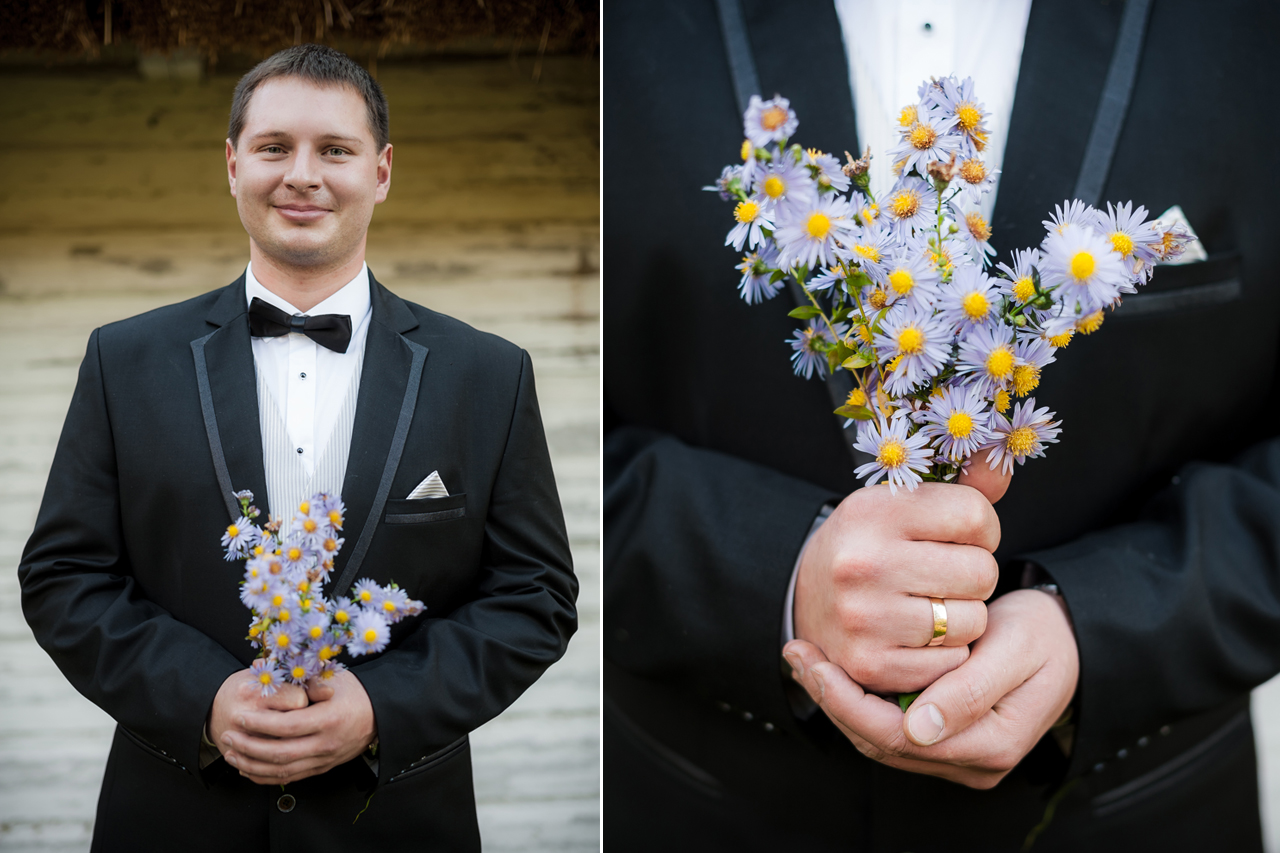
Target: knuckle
x=973, y=697
x=869, y=669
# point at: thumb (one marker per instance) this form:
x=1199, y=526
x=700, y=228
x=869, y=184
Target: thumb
x=992, y=484
x=318, y=691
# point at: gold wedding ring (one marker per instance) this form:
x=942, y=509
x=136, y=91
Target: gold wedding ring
x=939, y=621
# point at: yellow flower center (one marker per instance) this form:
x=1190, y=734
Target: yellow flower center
x=1000, y=363
x=282, y=640
x=959, y=425
x=331, y=544
x=277, y=600
x=774, y=186
x=1061, y=340
x=973, y=171
x=316, y=632
x=284, y=616
x=746, y=211
x=892, y=453
x=867, y=253
x=265, y=678
x=341, y=617
x=857, y=397
x=901, y=282
x=911, y=340
x=1090, y=323
x=907, y=117
x=1122, y=243
x=327, y=674
x=877, y=299
x=905, y=204
x=746, y=149
x=1025, y=379
x=1002, y=401
x=969, y=116
x=923, y=137
x=870, y=213
x=309, y=525
x=1021, y=440
x=233, y=531
x=298, y=672
x=1082, y=265
x=773, y=118
x=274, y=567
x=257, y=550
x=254, y=630
x=893, y=365
x=978, y=227
x=975, y=306
x=370, y=635
x=365, y=595
x=326, y=652
x=295, y=554
x=1024, y=288
x=819, y=226
x=304, y=507
x=864, y=332
x=979, y=140
x=335, y=518
x=389, y=606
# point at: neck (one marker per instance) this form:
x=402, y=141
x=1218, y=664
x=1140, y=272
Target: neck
x=303, y=287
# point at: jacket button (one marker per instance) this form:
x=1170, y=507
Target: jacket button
x=286, y=803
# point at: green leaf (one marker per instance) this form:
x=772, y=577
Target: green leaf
x=858, y=413
x=778, y=275
x=804, y=312
x=855, y=361
x=905, y=700
x=840, y=313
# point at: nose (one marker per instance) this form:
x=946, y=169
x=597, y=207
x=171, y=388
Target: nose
x=304, y=172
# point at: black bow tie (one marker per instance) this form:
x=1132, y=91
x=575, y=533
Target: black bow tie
x=332, y=331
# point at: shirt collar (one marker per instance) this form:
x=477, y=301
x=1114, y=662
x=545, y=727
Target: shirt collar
x=351, y=299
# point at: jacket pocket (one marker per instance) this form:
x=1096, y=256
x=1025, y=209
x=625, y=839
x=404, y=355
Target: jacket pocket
x=423, y=510
x=435, y=759
x=149, y=748
x=1210, y=282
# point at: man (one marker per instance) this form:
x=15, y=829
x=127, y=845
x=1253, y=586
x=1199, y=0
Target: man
x=1162, y=544
x=373, y=398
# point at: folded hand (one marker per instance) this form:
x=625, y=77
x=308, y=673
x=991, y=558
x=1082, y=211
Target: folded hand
x=975, y=723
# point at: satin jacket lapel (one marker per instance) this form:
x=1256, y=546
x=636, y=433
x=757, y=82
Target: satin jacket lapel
x=384, y=410
x=229, y=398
x=799, y=54
x=1065, y=58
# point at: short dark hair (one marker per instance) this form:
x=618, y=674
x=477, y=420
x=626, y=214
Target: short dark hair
x=323, y=66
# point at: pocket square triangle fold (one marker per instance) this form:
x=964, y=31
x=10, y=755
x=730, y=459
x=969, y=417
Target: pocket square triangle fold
x=432, y=487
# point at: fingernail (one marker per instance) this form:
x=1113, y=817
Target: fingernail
x=822, y=687
x=926, y=724
x=797, y=665
x=231, y=759
x=226, y=739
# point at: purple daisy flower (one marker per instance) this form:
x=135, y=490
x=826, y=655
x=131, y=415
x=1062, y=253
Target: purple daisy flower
x=267, y=675
x=769, y=121
x=957, y=419
x=369, y=633
x=897, y=455
x=757, y=269
x=916, y=344
x=1021, y=438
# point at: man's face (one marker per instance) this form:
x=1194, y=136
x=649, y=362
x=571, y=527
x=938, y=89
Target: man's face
x=306, y=173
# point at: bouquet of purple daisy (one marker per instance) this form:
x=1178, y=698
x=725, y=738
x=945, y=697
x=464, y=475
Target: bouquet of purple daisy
x=298, y=629
x=942, y=348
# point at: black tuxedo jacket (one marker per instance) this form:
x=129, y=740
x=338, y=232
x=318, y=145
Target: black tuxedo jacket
x=1158, y=514
x=124, y=584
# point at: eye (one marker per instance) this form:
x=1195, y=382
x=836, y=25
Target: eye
x=273, y=149
x=336, y=151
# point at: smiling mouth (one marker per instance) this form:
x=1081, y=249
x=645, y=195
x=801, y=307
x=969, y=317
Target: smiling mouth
x=302, y=214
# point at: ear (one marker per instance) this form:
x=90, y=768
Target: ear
x=384, y=175
x=231, y=167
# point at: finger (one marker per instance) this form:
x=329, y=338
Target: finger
x=274, y=751
x=963, y=622
x=944, y=570
x=319, y=691
x=289, y=697
x=992, y=484
x=273, y=773
x=284, y=724
x=906, y=670
x=869, y=717
x=965, y=695
x=945, y=512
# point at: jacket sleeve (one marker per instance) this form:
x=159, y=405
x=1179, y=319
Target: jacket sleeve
x=154, y=674
x=451, y=675
x=1179, y=611
x=699, y=550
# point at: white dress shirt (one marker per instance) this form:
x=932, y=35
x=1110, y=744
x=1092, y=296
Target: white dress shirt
x=307, y=381
x=894, y=45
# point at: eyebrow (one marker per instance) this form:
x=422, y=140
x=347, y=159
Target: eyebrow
x=281, y=134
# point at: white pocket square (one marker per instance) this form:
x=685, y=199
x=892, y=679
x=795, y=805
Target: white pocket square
x=432, y=487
